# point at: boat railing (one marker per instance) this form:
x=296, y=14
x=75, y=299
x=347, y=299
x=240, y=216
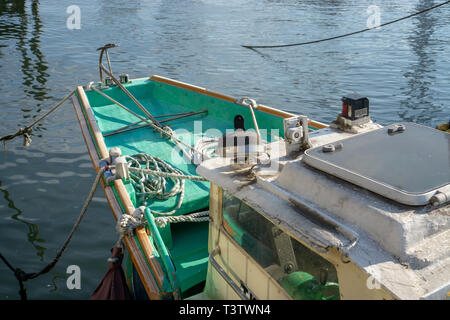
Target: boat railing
x=224, y=275
x=162, y=249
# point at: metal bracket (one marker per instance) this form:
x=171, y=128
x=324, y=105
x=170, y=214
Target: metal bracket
x=285, y=250
x=296, y=133
x=396, y=128
x=104, y=50
x=224, y=275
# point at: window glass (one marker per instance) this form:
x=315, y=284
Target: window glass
x=300, y=271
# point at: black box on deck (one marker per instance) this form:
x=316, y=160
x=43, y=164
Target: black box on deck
x=355, y=106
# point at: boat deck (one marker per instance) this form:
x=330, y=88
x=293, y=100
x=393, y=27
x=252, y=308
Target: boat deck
x=166, y=100
x=187, y=243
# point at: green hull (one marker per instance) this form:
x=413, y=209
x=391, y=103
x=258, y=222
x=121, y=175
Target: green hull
x=182, y=248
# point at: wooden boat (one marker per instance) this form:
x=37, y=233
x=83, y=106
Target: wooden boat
x=170, y=261
x=346, y=211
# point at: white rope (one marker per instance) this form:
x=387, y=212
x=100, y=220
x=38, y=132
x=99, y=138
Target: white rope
x=189, y=151
x=168, y=174
x=128, y=222
x=251, y=104
x=204, y=149
x=151, y=181
x=193, y=217
x=165, y=131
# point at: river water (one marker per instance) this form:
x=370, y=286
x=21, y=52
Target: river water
x=403, y=68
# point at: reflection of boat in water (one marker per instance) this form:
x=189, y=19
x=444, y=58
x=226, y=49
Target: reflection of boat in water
x=297, y=209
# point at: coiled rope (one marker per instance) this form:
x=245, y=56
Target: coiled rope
x=149, y=176
x=204, y=149
x=347, y=34
x=22, y=276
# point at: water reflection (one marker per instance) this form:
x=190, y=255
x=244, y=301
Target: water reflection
x=418, y=105
x=33, y=229
x=26, y=29
x=57, y=278
x=197, y=42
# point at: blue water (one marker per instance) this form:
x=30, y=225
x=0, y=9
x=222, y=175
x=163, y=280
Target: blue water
x=404, y=69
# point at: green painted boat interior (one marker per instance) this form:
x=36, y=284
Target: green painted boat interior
x=187, y=243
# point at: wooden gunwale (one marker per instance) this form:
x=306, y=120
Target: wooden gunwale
x=97, y=149
x=263, y=108
x=151, y=287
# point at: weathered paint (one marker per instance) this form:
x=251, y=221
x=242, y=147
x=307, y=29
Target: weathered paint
x=396, y=251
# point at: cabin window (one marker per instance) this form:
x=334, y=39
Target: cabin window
x=300, y=271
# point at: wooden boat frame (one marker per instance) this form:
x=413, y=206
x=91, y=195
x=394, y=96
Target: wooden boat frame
x=152, y=278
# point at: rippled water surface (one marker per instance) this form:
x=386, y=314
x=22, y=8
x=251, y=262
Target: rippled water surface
x=404, y=69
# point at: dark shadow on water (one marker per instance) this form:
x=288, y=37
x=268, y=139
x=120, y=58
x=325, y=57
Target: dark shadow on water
x=281, y=63
x=57, y=278
x=33, y=229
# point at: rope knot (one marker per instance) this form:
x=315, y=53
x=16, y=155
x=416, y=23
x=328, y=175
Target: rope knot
x=128, y=222
x=162, y=222
x=26, y=136
x=20, y=274
x=167, y=132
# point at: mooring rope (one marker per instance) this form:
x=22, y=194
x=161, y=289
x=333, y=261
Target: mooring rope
x=151, y=182
x=169, y=174
x=26, y=132
x=23, y=276
x=190, y=152
x=165, y=131
x=136, y=101
x=204, y=149
x=193, y=217
x=347, y=34
x=127, y=223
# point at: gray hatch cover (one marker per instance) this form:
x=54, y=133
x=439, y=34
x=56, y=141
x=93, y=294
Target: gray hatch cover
x=405, y=162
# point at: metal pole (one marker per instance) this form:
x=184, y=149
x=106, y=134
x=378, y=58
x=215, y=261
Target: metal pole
x=117, y=82
x=127, y=128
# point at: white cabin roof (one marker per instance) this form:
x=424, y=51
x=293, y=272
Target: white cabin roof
x=405, y=248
